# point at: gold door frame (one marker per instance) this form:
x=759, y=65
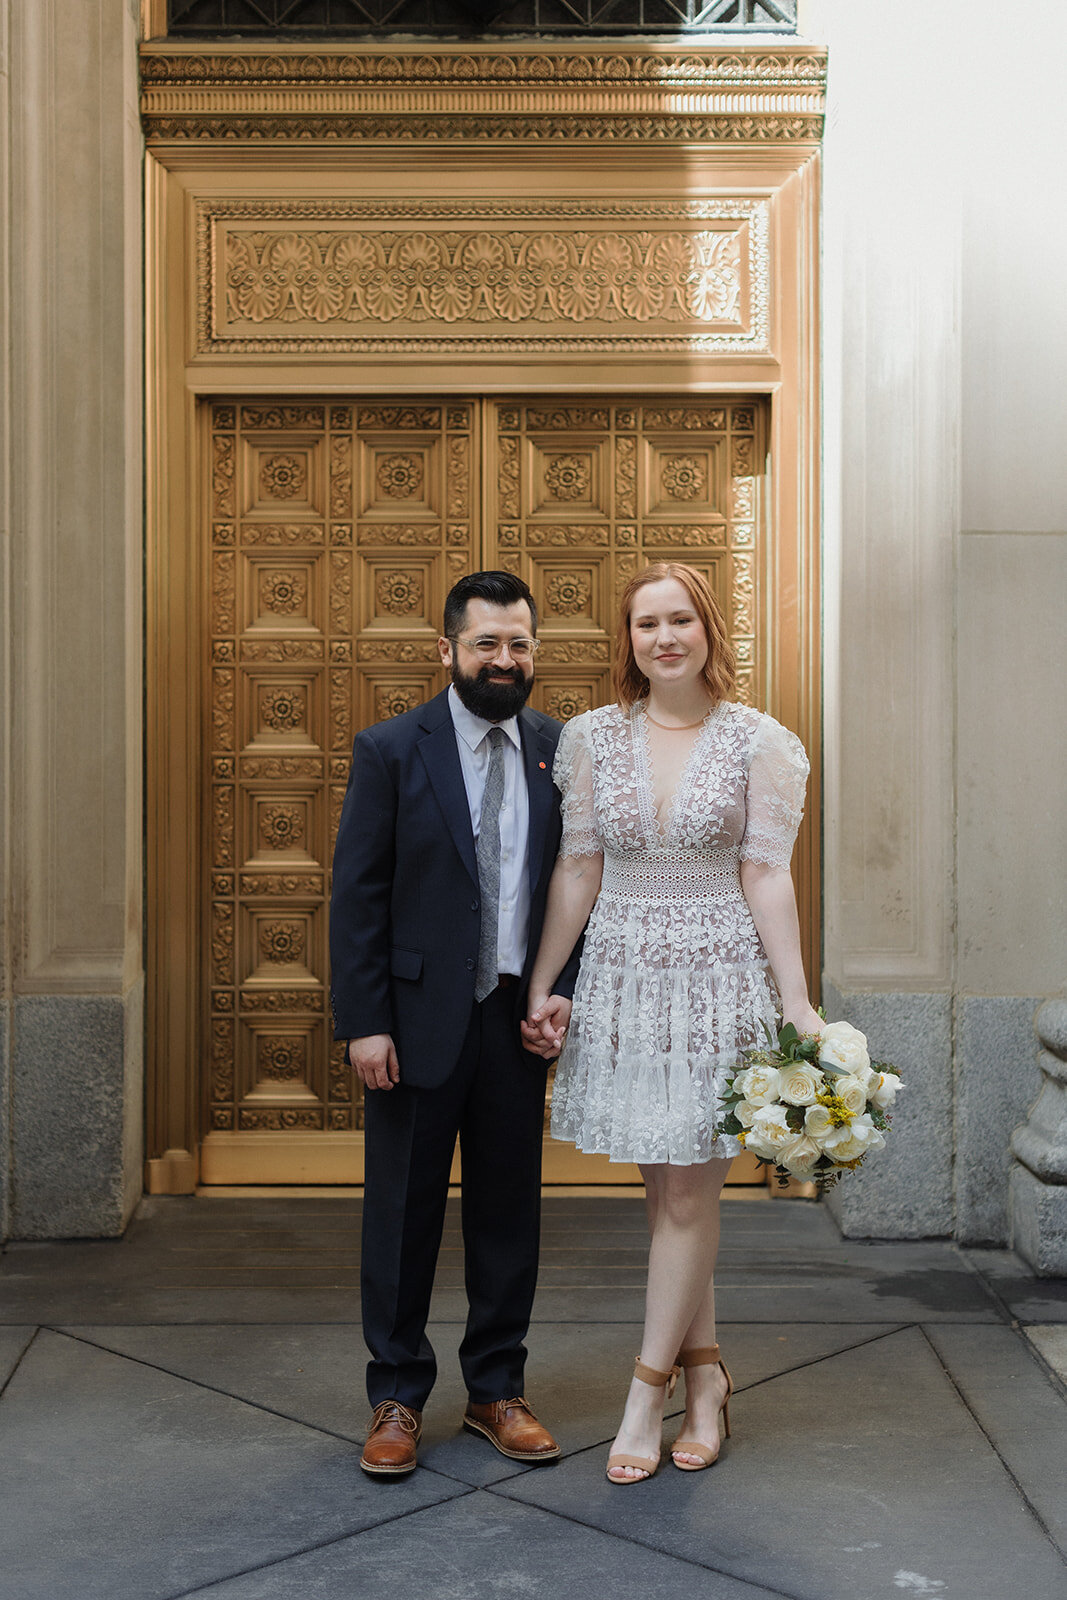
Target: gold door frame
x=551, y=219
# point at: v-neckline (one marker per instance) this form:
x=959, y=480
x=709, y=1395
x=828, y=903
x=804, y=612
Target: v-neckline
x=660, y=833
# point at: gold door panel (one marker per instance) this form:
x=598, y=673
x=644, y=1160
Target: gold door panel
x=335, y=532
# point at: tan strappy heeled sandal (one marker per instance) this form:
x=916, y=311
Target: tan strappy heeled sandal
x=707, y=1356
x=645, y=1464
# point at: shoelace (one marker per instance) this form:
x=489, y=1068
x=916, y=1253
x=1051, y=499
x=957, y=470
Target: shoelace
x=393, y=1411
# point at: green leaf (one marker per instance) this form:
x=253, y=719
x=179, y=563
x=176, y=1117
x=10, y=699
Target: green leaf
x=787, y=1036
x=730, y=1125
x=794, y=1117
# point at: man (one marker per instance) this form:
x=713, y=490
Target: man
x=447, y=840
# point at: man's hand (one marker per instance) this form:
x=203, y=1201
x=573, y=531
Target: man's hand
x=546, y=1025
x=374, y=1060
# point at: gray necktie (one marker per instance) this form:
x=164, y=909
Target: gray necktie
x=489, y=866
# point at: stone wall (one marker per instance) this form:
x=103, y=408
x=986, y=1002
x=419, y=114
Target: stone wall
x=946, y=505
x=70, y=1107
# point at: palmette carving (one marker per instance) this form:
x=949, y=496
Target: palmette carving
x=562, y=276
x=401, y=533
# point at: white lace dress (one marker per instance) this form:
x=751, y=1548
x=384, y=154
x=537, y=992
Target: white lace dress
x=674, y=980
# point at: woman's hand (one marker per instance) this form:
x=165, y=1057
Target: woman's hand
x=804, y=1018
x=546, y=1025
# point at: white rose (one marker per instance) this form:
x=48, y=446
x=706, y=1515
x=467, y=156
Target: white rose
x=853, y=1142
x=745, y=1112
x=883, y=1090
x=818, y=1124
x=800, y=1156
x=759, y=1085
x=845, y=1047
x=852, y=1092
x=799, y=1083
x=768, y=1133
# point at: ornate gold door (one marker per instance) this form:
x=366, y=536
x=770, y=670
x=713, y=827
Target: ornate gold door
x=335, y=531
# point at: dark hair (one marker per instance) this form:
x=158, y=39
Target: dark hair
x=498, y=588
x=719, y=670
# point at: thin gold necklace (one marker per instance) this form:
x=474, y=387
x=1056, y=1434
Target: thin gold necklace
x=681, y=727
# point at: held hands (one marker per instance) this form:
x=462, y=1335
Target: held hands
x=545, y=1027
x=374, y=1060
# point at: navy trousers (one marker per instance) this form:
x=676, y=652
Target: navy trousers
x=494, y=1101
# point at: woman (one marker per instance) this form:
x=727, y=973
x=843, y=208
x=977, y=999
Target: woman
x=680, y=810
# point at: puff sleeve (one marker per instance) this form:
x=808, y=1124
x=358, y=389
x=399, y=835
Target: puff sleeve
x=774, y=795
x=572, y=773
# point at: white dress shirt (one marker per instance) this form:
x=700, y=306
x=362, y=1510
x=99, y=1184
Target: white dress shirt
x=513, y=925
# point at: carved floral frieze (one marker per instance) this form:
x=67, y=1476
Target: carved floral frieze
x=281, y=276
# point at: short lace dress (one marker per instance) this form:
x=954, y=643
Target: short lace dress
x=674, y=980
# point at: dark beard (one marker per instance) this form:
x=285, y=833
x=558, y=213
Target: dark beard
x=493, y=702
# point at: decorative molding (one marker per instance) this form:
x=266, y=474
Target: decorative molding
x=538, y=95
x=299, y=277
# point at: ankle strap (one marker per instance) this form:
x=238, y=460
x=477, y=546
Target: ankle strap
x=706, y=1356
x=655, y=1377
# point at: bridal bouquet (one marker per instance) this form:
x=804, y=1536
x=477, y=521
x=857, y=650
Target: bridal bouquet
x=814, y=1104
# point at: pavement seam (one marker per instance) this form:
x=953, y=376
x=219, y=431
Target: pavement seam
x=642, y=1544
x=238, y=1399
x=307, y=1550
x=988, y=1437
x=20, y=1359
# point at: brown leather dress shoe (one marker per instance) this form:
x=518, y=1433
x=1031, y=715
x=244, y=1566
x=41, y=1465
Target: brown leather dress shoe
x=513, y=1428
x=394, y=1433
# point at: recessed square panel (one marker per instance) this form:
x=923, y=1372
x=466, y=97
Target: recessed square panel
x=567, y=695
x=385, y=694
x=684, y=477
x=567, y=476
x=281, y=1061
x=282, y=945
x=282, y=827
x=282, y=594
x=283, y=710
x=401, y=592
x=399, y=477
x=571, y=592
x=282, y=476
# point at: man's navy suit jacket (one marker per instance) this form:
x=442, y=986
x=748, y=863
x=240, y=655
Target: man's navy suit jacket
x=405, y=912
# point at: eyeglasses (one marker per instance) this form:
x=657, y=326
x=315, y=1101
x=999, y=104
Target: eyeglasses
x=488, y=647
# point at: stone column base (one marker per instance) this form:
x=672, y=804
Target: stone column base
x=1039, y=1222
x=77, y=1064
